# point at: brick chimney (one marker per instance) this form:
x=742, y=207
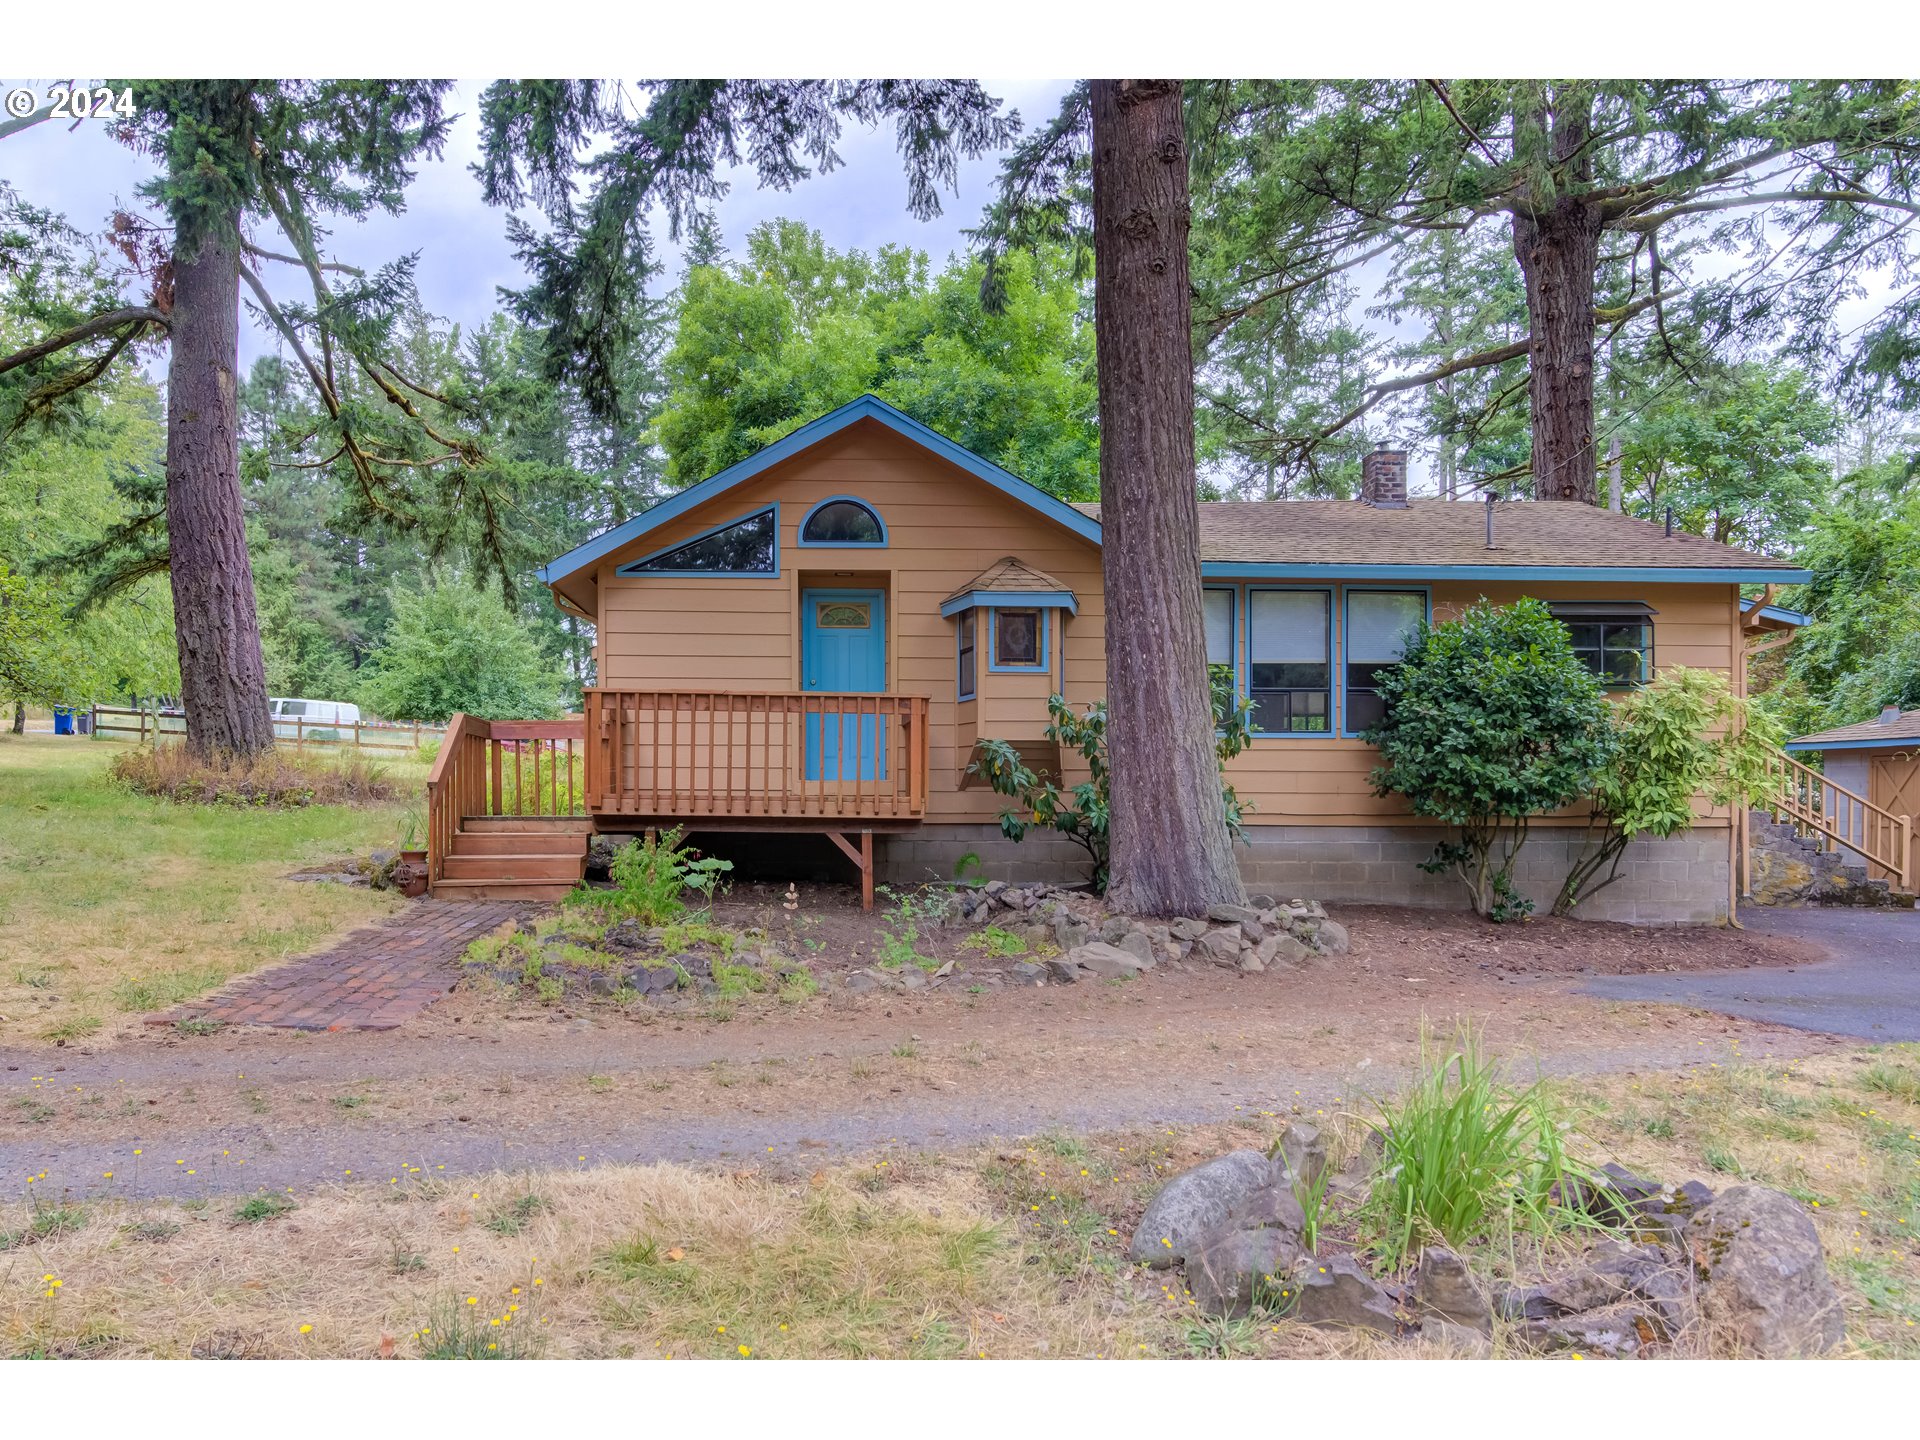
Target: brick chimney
x=1383, y=479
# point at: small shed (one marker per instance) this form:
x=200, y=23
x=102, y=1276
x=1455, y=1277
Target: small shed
x=1878, y=760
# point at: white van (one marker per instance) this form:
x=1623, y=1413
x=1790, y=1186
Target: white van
x=311, y=719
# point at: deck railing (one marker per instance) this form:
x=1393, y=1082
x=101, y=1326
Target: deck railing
x=502, y=767
x=797, y=755
x=1841, y=820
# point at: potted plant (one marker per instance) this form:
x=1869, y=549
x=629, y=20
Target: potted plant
x=410, y=875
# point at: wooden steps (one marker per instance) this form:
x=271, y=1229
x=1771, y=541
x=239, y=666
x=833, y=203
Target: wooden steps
x=511, y=857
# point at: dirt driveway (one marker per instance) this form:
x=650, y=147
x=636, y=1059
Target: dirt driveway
x=480, y=1084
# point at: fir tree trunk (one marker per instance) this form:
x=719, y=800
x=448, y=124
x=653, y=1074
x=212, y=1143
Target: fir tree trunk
x=1556, y=238
x=1171, y=853
x=223, y=684
x=1558, y=251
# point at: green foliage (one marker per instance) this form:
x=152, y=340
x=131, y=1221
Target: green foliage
x=1465, y=1157
x=1081, y=813
x=261, y=1208
x=35, y=647
x=796, y=329
x=1737, y=455
x=651, y=874
x=996, y=942
x=453, y=648
x=1683, y=735
x=1490, y=720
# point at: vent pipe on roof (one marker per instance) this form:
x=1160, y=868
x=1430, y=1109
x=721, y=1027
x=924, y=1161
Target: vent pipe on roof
x=1669, y=522
x=1491, y=497
x=1889, y=714
x=1383, y=478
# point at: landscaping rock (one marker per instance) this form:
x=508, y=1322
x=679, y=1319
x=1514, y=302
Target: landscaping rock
x=602, y=982
x=698, y=966
x=1763, y=1275
x=1251, y=963
x=1188, y=930
x=1332, y=938
x=1615, y=1333
x=1279, y=950
x=1233, y=1265
x=1272, y=1207
x=1300, y=1156
x=1625, y=1198
x=1613, y=1274
x=1234, y=915
x=912, y=979
x=1222, y=947
x=1108, y=962
x=1139, y=944
x=1068, y=932
x=654, y=979
x=862, y=982
x=1025, y=972
x=1114, y=929
x=1193, y=1204
x=1062, y=971
x=1336, y=1291
x=1445, y=1288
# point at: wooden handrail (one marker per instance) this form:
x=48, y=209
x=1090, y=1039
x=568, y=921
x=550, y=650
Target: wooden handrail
x=740, y=755
x=1841, y=819
x=501, y=767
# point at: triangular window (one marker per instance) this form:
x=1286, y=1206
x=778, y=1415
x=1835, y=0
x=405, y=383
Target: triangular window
x=747, y=546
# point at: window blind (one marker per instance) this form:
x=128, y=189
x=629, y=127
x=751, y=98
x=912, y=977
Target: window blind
x=1379, y=624
x=1287, y=626
x=1219, y=605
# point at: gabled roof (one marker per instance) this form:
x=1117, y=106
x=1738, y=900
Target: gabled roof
x=1533, y=540
x=1008, y=581
x=867, y=407
x=1902, y=731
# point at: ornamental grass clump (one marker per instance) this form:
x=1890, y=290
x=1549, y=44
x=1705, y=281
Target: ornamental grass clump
x=1466, y=1157
x=273, y=780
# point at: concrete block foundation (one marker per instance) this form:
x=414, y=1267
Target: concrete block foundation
x=1681, y=881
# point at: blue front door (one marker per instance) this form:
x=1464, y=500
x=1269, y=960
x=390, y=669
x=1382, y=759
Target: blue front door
x=843, y=647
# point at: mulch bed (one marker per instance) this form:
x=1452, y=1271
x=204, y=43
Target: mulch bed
x=1431, y=941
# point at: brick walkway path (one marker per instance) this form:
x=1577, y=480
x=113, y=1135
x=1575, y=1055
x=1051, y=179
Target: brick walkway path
x=374, y=979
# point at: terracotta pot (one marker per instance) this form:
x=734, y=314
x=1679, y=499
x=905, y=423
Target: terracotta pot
x=414, y=857
x=411, y=881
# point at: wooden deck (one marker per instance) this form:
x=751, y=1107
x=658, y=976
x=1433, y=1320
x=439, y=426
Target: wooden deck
x=842, y=765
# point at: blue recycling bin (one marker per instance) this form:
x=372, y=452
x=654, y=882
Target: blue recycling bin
x=63, y=720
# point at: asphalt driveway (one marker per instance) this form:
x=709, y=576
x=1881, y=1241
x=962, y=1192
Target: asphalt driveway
x=1870, y=988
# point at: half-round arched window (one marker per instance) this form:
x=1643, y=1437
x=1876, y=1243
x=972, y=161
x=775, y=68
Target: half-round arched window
x=842, y=521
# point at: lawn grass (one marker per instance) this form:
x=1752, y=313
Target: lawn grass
x=1010, y=1251
x=113, y=905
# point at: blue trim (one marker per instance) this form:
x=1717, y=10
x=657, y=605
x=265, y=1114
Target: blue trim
x=975, y=692
x=1332, y=732
x=994, y=667
x=1347, y=592
x=1012, y=600
x=1776, y=612
x=800, y=535
x=1912, y=742
x=632, y=567
x=867, y=407
x=1625, y=574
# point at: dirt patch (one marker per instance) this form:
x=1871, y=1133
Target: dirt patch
x=1454, y=943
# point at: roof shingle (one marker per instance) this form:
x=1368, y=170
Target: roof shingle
x=1906, y=726
x=1451, y=532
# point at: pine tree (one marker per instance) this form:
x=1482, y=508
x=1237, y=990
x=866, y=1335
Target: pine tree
x=235, y=157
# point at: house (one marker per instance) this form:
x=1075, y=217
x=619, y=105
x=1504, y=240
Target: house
x=814, y=639
x=1866, y=797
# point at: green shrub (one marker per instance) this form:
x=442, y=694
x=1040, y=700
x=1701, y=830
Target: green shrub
x=1490, y=719
x=1666, y=753
x=1082, y=813
x=650, y=875
x=261, y=1208
x=1465, y=1157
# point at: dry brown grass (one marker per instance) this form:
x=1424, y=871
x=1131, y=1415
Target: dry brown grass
x=280, y=779
x=113, y=903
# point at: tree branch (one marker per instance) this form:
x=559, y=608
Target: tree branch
x=1466, y=129
x=139, y=316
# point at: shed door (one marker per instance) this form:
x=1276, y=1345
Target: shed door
x=843, y=649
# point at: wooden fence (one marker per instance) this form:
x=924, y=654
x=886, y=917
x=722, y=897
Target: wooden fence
x=144, y=725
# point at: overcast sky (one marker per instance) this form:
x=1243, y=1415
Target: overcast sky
x=464, y=256
x=78, y=171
